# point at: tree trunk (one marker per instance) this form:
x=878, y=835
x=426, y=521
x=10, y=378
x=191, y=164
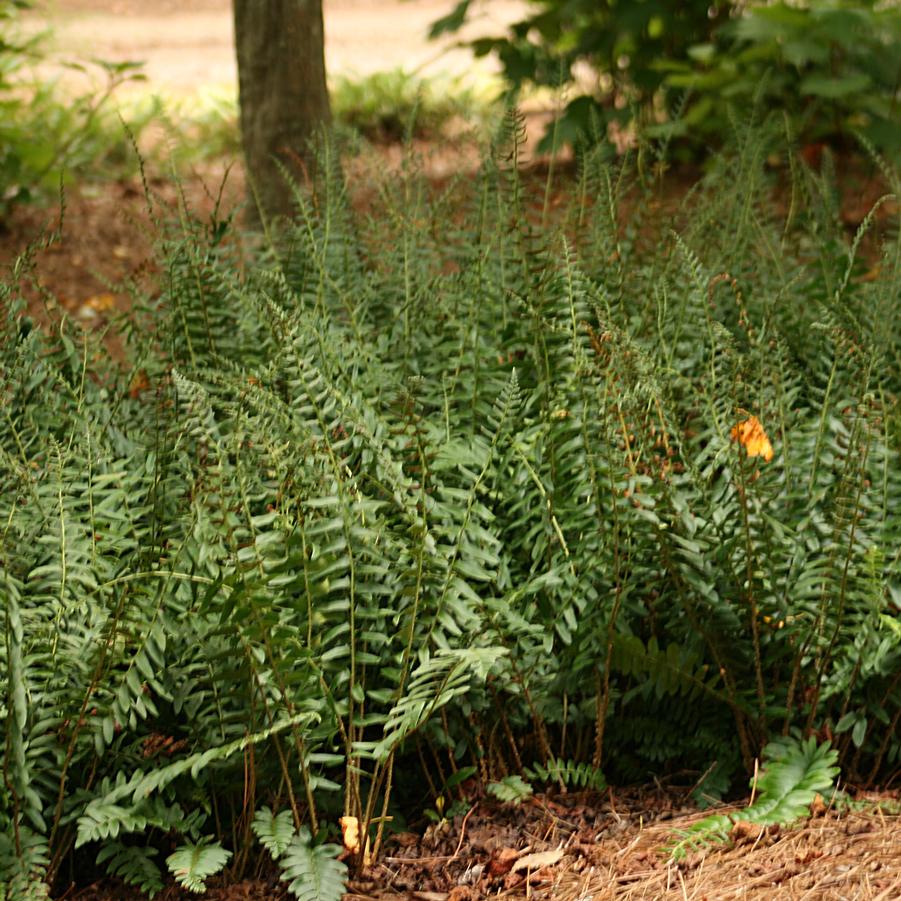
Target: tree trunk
x=282, y=95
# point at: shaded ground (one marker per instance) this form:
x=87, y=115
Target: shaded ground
x=107, y=240
x=107, y=237
x=186, y=49
x=578, y=848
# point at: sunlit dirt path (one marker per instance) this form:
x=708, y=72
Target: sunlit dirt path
x=188, y=45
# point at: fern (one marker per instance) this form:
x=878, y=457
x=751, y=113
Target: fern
x=133, y=865
x=511, y=789
x=312, y=871
x=432, y=685
x=794, y=773
x=569, y=773
x=23, y=873
x=274, y=831
x=193, y=863
x=448, y=485
x=104, y=817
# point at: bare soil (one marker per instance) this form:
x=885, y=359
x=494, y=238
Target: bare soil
x=85, y=259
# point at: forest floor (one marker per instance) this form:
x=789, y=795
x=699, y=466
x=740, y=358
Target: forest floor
x=105, y=234
x=613, y=847
x=186, y=50
x=572, y=847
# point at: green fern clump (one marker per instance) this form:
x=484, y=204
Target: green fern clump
x=457, y=488
x=794, y=773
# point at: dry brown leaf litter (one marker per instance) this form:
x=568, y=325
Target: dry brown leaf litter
x=576, y=848
x=580, y=852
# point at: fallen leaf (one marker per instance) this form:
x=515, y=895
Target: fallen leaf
x=502, y=861
x=538, y=860
x=101, y=303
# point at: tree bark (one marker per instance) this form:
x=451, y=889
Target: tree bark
x=282, y=95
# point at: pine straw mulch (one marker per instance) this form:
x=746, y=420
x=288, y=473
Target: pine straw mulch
x=614, y=846
x=568, y=849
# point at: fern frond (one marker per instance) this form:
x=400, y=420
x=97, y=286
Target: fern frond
x=133, y=865
x=274, y=831
x=511, y=789
x=433, y=684
x=571, y=773
x=193, y=863
x=794, y=773
x=313, y=872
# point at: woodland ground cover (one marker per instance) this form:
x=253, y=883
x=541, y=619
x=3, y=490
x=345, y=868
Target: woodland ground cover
x=456, y=500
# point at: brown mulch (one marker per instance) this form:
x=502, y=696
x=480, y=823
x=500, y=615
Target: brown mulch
x=244, y=890
x=106, y=243
x=833, y=856
x=107, y=240
x=614, y=846
x=616, y=849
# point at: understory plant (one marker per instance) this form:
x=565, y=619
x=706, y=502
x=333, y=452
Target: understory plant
x=794, y=774
x=48, y=130
x=472, y=486
x=682, y=70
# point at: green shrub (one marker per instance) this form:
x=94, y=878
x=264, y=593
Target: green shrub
x=833, y=68
x=681, y=69
x=385, y=106
x=447, y=484
x=46, y=133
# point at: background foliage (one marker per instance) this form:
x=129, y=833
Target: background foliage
x=448, y=489
x=53, y=129
x=683, y=69
x=46, y=131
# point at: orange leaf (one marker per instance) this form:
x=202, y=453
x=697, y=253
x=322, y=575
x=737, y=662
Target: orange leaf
x=139, y=383
x=101, y=303
x=753, y=438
